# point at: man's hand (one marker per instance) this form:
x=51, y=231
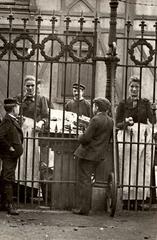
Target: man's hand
x=39, y=124
x=11, y=149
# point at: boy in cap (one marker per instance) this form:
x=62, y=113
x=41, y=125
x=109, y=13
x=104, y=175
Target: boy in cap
x=91, y=151
x=11, y=139
x=78, y=104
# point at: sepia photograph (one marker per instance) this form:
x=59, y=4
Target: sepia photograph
x=78, y=119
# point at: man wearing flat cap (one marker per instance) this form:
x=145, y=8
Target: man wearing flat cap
x=11, y=139
x=92, y=150
x=78, y=104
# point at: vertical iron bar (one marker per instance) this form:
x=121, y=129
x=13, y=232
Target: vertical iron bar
x=128, y=24
x=25, y=176
x=39, y=20
x=152, y=146
x=53, y=21
x=95, y=22
x=144, y=167
x=67, y=22
x=81, y=21
x=142, y=25
x=130, y=164
x=10, y=19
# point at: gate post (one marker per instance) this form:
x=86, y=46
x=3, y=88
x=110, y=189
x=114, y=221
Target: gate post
x=111, y=60
x=111, y=57
x=107, y=166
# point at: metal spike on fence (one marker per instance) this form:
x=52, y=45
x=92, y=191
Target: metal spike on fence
x=131, y=132
x=69, y=130
x=67, y=21
x=81, y=21
x=142, y=25
x=56, y=129
x=128, y=25
x=145, y=133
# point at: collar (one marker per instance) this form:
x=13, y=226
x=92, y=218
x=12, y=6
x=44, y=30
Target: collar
x=77, y=100
x=29, y=97
x=11, y=115
x=131, y=103
x=133, y=99
x=100, y=113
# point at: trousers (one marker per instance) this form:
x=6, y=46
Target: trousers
x=7, y=192
x=86, y=169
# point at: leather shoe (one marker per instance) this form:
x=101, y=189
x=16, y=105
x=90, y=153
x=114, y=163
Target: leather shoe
x=12, y=210
x=79, y=212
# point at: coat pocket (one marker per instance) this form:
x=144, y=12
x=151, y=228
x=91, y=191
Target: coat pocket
x=18, y=150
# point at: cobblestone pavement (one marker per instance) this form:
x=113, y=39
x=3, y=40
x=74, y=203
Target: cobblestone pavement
x=48, y=225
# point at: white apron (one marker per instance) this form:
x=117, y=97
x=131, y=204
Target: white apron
x=147, y=153
x=27, y=160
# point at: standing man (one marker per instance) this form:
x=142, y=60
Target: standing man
x=11, y=138
x=91, y=151
x=34, y=107
x=78, y=104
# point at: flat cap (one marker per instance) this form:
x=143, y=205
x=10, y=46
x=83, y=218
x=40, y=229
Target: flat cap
x=103, y=103
x=80, y=86
x=29, y=77
x=10, y=102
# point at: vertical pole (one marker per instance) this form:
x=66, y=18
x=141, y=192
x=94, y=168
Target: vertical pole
x=111, y=61
x=111, y=55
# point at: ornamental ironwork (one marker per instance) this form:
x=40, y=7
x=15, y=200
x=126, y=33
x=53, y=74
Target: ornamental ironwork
x=141, y=43
x=4, y=47
x=80, y=40
x=52, y=38
x=23, y=56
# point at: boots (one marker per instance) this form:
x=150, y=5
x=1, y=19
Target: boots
x=8, y=196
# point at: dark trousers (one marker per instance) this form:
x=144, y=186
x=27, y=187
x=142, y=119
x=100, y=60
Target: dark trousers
x=8, y=168
x=7, y=179
x=86, y=169
x=7, y=193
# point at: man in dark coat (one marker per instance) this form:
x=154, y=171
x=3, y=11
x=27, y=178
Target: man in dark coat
x=91, y=151
x=11, y=138
x=78, y=104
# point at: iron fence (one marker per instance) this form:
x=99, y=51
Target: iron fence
x=47, y=172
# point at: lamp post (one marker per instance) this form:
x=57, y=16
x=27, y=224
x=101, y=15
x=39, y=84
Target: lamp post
x=111, y=58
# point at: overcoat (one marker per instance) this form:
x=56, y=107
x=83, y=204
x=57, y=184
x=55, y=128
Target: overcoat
x=10, y=136
x=95, y=140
